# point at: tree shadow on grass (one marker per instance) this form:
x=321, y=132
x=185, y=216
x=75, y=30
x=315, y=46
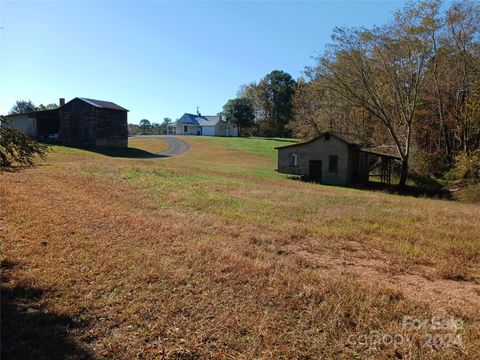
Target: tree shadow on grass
x=130, y=153
x=408, y=190
x=12, y=169
x=411, y=190
x=29, y=331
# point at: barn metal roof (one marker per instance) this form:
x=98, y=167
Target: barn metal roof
x=103, y=104
x=380, y=153
x=350, y=139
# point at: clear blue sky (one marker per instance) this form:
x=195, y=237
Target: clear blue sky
x=161, y=59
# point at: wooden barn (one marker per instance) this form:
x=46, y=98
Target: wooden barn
x=80, y=122
x=90, y=123
x=335, y=159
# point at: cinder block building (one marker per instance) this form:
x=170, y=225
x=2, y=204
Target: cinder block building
x=335, y=159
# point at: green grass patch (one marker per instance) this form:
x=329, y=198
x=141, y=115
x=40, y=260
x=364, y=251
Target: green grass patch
x=264, y=147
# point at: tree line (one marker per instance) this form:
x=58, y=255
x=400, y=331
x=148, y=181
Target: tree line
x=410, y=87
x=264, y=108
x=145, y=127
x=27, y=106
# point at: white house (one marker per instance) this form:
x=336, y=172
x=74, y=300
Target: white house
x=190, y=124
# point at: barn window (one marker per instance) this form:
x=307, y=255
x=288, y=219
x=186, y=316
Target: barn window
x=333, y=163
x=294, y=159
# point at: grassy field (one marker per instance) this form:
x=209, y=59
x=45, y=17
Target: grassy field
x=212, y=254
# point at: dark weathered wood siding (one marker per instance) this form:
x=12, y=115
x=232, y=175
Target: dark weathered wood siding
x=112, y=128
x=78, y=122
x=85, y=125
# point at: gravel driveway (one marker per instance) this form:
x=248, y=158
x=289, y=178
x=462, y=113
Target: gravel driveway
x=177, y=146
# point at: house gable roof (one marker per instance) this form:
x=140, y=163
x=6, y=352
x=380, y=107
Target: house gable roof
x=199, y=120
x=102, y=104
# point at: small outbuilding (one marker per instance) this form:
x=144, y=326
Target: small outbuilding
x=335, y=159
x=80, y=122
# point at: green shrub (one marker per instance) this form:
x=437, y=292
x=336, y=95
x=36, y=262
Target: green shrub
x=467, y=167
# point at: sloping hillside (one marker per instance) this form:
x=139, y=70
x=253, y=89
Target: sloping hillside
x=212, y=254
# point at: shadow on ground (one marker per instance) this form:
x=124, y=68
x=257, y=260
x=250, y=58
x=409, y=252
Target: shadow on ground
x=409, y=190
x=29, y=331
x=292, y=141
x=131, y=153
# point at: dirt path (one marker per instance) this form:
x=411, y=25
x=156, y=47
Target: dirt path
x=418, y=284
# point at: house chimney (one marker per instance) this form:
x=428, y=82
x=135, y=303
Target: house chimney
x=61, y=101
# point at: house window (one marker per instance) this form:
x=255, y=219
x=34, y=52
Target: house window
x=185, y=129
x=333, y=163
x=294, y=159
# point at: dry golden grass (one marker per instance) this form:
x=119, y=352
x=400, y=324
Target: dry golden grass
x=212, y=254
x=152, y=145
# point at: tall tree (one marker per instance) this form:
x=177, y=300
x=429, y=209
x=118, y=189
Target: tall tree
x=145, y=126
x=155, y=128
x=316, y=109
x=382, y=71
x=42, y=107
x=275, y=93
x=307, y=110
x=166, y=121
x=412, y=86
x=240, y=112
x=463, y=39
x=454, y=71
x=22, y=106
x=251, y=92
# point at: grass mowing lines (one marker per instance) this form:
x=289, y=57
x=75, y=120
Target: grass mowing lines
x=343, y=211
x=198, y=255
